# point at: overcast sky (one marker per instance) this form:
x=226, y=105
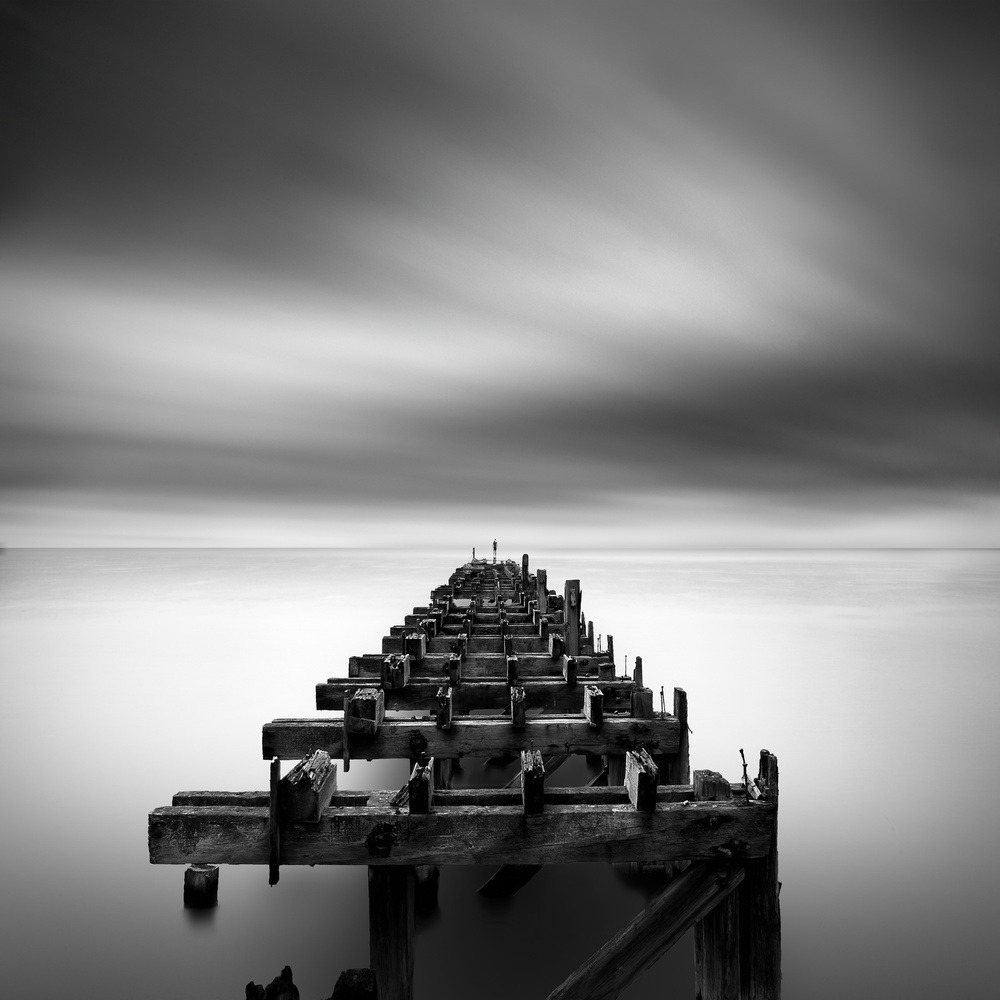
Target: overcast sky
x=588, y=273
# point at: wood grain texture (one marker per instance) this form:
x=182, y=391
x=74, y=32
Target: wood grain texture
x=380, y=834
x=391, y=930
x=291, y=739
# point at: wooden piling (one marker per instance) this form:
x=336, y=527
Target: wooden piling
x=421, y=788
x=532, y=782
x=573, y=608
x=593, y=705
x=306, y=790
x=641, y=779
x=444, y=704
x=201, y=887
x=518, y=701
x=367, y=710
x=541, y=590
x=759, y=911
x=677, y=766
x=273, y=827
x=390, y=929
x=716, y=935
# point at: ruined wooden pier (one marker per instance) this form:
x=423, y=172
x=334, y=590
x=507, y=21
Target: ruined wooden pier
x=496, y=640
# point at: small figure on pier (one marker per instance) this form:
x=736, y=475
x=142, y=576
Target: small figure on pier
x=494, y=550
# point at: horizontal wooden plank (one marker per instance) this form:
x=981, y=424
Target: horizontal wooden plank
x=291, y=739
x=550, y=694
x=482, y=665
x=466, y=835
x=508, y=796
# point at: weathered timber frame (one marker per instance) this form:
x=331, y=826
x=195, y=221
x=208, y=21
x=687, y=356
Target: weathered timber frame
x=495, y=638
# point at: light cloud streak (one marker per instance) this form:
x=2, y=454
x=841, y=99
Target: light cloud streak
x=339, y=264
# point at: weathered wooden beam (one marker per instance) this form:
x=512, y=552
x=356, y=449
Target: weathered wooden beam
x=642, y=702
x=532, y=782
x=367, y=710
x=549, y=693
x=716, y=935
x=569, y=668
x=379, y=834
x=291, y=739
x=656, y=929
x=641, y=778
x=593, y=706
x=390, y=929
x=677, y=767
x=306, y=790
x=443, y=718
x=507, y=879
x=395, y=670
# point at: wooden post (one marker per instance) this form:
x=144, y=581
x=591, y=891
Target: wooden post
x=454, y=669
x=716, y=935
x=390, y=929
x=557, y=645
x=421, y=788
x=512, y=676
x=542, y=590
x=367, y=710
x=532, y=782
x=517, y=706
x=572, y=609
x=642, y=702
x=201, y=887
x=273, y=829
x=678, y=765
x=759, y=911
x=569, y=666
x=306, y=790
x=641, y=777
x=590, y=635
x=593, y=705
x=524, y=572
x=543, y=627
x=611, y=648
x=443, y=717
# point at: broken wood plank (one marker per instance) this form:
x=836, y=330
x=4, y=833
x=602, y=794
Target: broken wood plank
x=391, y=929
x=641, y=779
x=291, y=739
x=379, y=834
x=593, y=706
x=656, y=929
x=532, y=782
x=307, y=788
x=367, y=710
x=421, y=787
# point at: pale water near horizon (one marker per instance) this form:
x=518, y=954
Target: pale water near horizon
x=129, y=675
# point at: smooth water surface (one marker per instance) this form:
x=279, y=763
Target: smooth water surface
x=129, y=675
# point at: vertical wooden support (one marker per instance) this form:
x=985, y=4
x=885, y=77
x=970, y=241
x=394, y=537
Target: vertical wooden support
x=201, y=887
x=367, y=710
x=273, y=829
x=524, y=572
x=443, y=717
x=454, y=669
x=396, y=670
x=390, y=929
x=421, y=787
x=443, y=768
x=678, y=765
x=415, y=645
x=512, y=675
x=543, y=627
x=557, y=645
x=517, y=706
x=569, y=666
x=611, y=648
x=573, y=608
x=593, y=706
x=641, y=778
x=542, y=590
x=642, y=703
x=717, y=935
x=532, y=782
x=605, y=670
x=307, y=789
x=590, y=635
x=759, y=911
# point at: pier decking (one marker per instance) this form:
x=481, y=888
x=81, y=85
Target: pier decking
x=495, y=640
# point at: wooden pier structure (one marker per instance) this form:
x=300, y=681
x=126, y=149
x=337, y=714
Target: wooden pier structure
x=497, y=642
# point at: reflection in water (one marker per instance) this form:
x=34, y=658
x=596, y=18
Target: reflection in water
x=139, y=674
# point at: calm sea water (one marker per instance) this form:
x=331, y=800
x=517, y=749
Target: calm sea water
x=128, y=675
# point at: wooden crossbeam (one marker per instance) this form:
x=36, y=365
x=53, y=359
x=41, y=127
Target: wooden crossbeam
x=484, y=665
x=292, y=739
x=381, y=834
x=657, y=928
x=549, y=693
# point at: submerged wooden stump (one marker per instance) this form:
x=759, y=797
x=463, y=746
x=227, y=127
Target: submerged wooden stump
x=201, y=887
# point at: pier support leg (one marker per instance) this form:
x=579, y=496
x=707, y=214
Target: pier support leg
x=390, y=928
x=201, y=887
x=759, y=913
x=717, y=935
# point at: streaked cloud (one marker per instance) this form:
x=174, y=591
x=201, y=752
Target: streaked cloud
x=485, y=257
